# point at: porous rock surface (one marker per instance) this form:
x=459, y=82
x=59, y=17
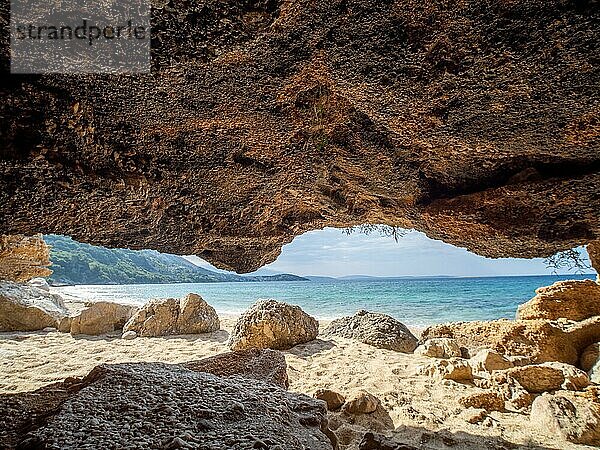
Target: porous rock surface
x=170, y=316
x=439, y=348
x=573, y=300
x=27, y=308
x=590, y=362
x=456, y=369
x=487, y=361
x=475, y=122
x=273, y=324
x=549, y=376
x=153, y=405
x=101, y=318
x=23, y=258
x=538, y=340
x=264, y=365
x=376, y=329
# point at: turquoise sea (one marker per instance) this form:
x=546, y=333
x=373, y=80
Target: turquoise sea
x=416, y=302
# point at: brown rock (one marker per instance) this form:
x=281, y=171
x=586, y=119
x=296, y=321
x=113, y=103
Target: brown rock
x=361, y=402
x=515, y=396
x=163, y=317
x=101, y=318
x=545, y=377
x=333, y=399
x=273, y=324
x=573, y=300
x=23, y=258
x=456, y=369
x=568, y=417
x=473, y=415
x=439, y=348
x=27, y=308
x=264, y=365
x=590, y=362
x=489, y=401
x=487, y=360
x=538, y=340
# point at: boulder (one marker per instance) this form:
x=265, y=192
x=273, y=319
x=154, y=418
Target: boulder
x=23, y=258
x=376, y=329
x=568, y=417
x=264, y=365
x=550, y=376
x=101, y=318
x=439, y=348
x=487, y=400
x=573, y=300
x=273, y=324
x=487, y=360
x=170, y=316
x=362, y=402
x=334, y=400
x=27, y=308
x=537, y=340
x=590, y=362
x=161, y=406
x=456, y=369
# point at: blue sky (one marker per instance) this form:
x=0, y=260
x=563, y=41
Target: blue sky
x=330, y=252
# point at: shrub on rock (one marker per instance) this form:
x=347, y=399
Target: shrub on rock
x=378, y=330
x=273, y=324
x=164, y=317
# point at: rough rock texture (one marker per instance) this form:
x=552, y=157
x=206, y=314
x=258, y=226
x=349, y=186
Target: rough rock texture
x=163, y=317
x=456, y=369
x=101, y=318
x=489, y=401
x=539, y=340
x=273, y=324
x=23, y=258
x=27, y=308
x=475, y=122
x=590, y=362
x=487, y=360
x=573, y=300
x=372, y=441
x=163, y=406
x=439, y=348
x=550, y=376
x=264, y=365
x=361, y=402
x=334, y=400
x=569, y=417
x=376, y=329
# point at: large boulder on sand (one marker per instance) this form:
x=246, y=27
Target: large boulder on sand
x=28, y=308
x=273, y=324
x=538, y=340
x=264, y=365
x=573, y=300
x=567, y=416
x=170, y=316
x=23, y=258
x=162, y=406
x=550, y=376
x=376, y=329
x=101, y=318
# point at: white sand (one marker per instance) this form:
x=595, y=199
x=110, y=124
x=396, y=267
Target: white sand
x=416, y=404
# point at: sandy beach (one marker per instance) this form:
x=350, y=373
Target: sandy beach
x=416, y=404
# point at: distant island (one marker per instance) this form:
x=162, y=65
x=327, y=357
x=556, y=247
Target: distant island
x=77, y=263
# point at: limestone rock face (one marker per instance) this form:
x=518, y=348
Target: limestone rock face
x=439, y=348
x=153, y=405
x=376, y=329
x=334, y=400
x=538, y=340
x=264, y=365
x=489, y=401
x=101, y=318
x=573, y=300
x=569, y=417
x=405, y=130
x=456, y=369
x=487, y=360
x=550, y=376
x=27, y=308
x=23, y=258
x=163, y=317
x=590, y=362
x=273, y=324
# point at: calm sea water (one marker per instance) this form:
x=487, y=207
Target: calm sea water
x=416, y=302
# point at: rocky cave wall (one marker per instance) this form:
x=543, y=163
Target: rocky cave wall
x=477, y=122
